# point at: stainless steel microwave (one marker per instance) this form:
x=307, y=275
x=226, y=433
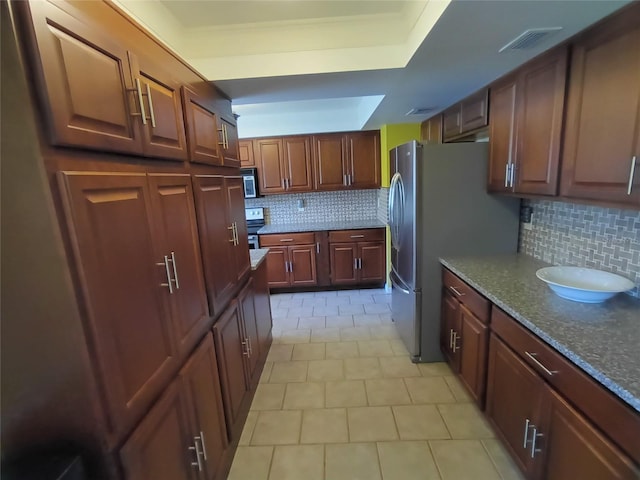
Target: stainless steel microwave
x=250, y=182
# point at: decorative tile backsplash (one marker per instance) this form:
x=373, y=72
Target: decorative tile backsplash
x=340, y=206
x=585, y=236
x=383, y=201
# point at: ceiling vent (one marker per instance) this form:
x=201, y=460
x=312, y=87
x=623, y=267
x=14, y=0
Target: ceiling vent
x=529, y=38
x=421, y=111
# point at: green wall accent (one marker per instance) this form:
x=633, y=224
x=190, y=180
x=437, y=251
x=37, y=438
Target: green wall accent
x=391, y=136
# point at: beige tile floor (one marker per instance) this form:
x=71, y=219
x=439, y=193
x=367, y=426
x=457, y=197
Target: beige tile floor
x=339, y=399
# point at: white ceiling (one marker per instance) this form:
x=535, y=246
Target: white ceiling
x=301, y=66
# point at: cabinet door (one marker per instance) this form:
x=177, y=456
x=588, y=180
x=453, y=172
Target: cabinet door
x=363, y=152
x=474, y=112
x=235, y=201
x=431, y=131
x=297, y=163
x=568, y=437
x=514, y=401
x=245, y=151
x=263, y=306
x=473, y=341
x=277, y=266
x=175, y=220
x=270, y=160
x=231, y=351
x=343, y=263
x=163, y=124
x=229, y=139
x=158, y=449
x=216, y=240
x=372, y=265
x=87, y=87
x=450, y=325
x=202, y=129
x=108, y=219
x=539, y=124
x=329, y=165
x=451, y=123
x=201, y=384
x=303, y=265
x=248, y=314
x=502, y=134
x=603, y=115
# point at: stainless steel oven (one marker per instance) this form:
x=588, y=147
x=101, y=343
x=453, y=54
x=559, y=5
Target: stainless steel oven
x=255, y=221
x=254, y=243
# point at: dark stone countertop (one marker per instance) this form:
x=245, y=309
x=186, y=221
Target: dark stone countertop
x=320, y=226
x=602, y=339
x=257, y=256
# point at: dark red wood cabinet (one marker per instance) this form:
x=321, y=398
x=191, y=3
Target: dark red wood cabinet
x=357, y=257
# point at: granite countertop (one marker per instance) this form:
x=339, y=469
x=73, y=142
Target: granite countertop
x=320, y=226
x=257, y=256
x=602, y=339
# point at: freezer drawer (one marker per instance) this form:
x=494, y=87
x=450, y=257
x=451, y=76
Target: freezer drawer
x=405, y=308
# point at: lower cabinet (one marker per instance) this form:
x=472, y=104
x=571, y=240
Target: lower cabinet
x=548, y=438
x=291, y=261
x=357, y=256
x=183, y=436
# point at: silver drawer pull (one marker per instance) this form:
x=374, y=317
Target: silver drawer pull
x=175, y=270
x=166, y=268
x=286, y=239
x=631, y=174
x=318, y=247
x=533, y=358
x=534, y=438
x=457, y=292
x=526, y=433
x=357, y=236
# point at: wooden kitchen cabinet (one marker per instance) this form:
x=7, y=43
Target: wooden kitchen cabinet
x=184, y=435
x=464, y=335
x=247, y=309
x=245, y=152
x=526, y=126
x=293, y=265
x=345, y=161
x=223, y=236
x=284, y=164
x=269, y=155
x=262, y=305
x=601, y=155
x=90, y=100
x=574, y=416
x=163, y=130
x=228, y=134
x=431, y=130
x=202, y=129
x=469, y=115
x=357, y=256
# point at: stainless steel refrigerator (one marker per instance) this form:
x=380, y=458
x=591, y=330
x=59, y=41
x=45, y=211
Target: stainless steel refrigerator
x=438, y=206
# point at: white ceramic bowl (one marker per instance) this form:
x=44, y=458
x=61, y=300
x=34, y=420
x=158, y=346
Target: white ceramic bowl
x=585, y=285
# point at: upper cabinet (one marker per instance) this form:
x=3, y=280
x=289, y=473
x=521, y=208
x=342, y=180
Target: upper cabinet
x=101, y=91
x=465, y=117
x=431, y=130
x=245, y=153
x=602, y=141
x=346, y=161
x=284, y=164
x=526, y=126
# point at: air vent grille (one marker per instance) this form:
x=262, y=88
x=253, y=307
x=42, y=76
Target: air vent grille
x=529, y=38
x=421, y=111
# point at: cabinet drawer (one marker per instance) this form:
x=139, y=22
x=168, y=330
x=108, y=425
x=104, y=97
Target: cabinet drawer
x=466, y=295
x=283, y=239
x=365, y=235
x=604, y=409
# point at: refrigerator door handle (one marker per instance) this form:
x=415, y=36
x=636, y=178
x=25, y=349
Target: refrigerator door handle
x=395, y=188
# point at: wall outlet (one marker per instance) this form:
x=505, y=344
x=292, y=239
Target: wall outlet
x=526, y=214
x=301, y=205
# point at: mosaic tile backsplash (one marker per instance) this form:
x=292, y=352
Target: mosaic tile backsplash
x=585, y=236
x=341, y=206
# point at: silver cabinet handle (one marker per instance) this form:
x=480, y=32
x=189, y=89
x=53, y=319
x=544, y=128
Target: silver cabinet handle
x=349, y=177
x=318, y=248
x=286, y=266
x=457, y=292
x=451, y=339
x=198, y=462
x=138, y=91
x=204, y=448
x=291, y=267
x=284, y=185
x=360, y=264
x=526, y=433
x=512, y=176
x=533, y=358
x=631, y=174
x=175, y=270
x=233, y=235
x=235, y=231
x=250, y=347
x=534, y=438
x=226, y=135
x=151, y=112
x=506, y=174
x=166, y=268
x=223, y=131
x=344, y=180
x=357, y=236
x=355, y=263
x=456, y=347
x=245, y=352
x=286, y=239
x=288, y=184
